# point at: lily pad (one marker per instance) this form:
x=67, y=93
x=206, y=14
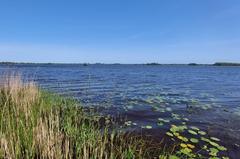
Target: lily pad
x=169, y=134
x=148, y=127
x=194, y=140
x=182, y=138
x=195, y=128
x=183, y=145
x=186, y=151
x=214, y=138
x=173, y=157
x=175, y=116
x=176, y=134
x=213, y=152
x=222, y=148
x=164, y=120
x=202, y=132
x=192, y=132
x=214, y=144
x=205, y=139
x=190, y=146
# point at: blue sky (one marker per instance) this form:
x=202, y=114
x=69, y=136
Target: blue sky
x=120, y=31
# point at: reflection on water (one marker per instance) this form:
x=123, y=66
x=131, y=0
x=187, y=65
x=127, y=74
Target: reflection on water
x=157, y=98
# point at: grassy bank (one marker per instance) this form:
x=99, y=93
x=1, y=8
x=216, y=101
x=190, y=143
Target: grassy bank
x=37, y=124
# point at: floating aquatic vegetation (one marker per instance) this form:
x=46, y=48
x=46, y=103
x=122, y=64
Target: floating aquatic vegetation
x=194, y=140
x=172, y=157
x=147, y=127
x=158, y=109
x=176, y=134
x=175, y=116
x=163, y=120
x=205, y=139
x=190, y=146
x=214, y=144
x=159, y=99
x=205, y=147
x=202, y=132
x=192, y=132
x=212, y=147
x=213, y=152
x=206, y=106
x=149, y=100
x=169, y=134
x=222, y=148
x=210, y=144
x=219, y=147
x=193, y=101
x=183, y=145
x=182, y=138
x=180, y=128
x=194, y=128
x=133, y=102
x=214, y=138
x=187, y=151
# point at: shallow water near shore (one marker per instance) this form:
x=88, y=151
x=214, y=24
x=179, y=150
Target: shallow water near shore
x=205, y=99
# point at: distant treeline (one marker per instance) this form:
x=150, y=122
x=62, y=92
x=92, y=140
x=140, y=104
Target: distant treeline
x=195, y=64
x=151, y=64
x=226, y=64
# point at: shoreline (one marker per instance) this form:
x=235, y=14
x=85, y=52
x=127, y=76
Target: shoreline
x=147, y=64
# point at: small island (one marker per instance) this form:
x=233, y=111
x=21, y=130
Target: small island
x=153, y=63
x=192, y=64
x=226, y=64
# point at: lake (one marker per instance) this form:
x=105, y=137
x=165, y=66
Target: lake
x=151, y=97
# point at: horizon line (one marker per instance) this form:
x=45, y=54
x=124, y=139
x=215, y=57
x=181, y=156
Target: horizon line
x=116, y=63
